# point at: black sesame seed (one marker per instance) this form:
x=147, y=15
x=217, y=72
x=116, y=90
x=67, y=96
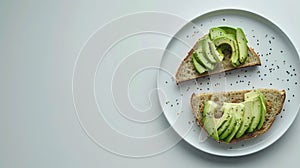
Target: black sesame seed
x=281, y=51
x=223, y=19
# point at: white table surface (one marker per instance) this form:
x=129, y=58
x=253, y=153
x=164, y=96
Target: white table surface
x=40, y=41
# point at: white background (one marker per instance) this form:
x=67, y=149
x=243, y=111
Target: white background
x=39, y=43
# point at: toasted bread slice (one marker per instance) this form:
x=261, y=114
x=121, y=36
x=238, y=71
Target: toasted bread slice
x=187, y=71
x=274, y=100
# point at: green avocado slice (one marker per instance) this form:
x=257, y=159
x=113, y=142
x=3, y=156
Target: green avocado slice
x=226, y=120
x=219, y=56
x=228, y=30
x=207, y=50
x=199, y=68
x=208, y=119
x=263, y=110
x=216, y=32
x=234, y=58
x=247, y=119
x=238, y=113
x=199, y=56
x=256, y=115
x=224, y=126
x=242, y=45
x=229, y=129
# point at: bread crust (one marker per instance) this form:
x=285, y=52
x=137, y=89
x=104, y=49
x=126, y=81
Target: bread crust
x=281, y=94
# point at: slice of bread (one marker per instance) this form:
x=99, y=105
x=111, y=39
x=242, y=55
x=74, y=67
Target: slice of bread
x=187, y=71
x=274, y=100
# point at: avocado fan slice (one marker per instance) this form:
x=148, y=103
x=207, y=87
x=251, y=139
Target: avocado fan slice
x=216, y=32
x=198, y=66
x=242, y=45
x=263, y=110
x=238, y=113
x=207, y=51
x=247, y=119
x=209, y=120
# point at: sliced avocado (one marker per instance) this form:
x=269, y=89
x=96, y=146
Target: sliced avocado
x=207, y=50
x=238, y=113
x=256, y=114
x=225, y=125
x=218, y=56
x=225, y=117
x=216, y=32
x=242, y=45
x=222, y=126
x=234, y=50
x=228, y=30
x=229, y=129
x=203, y=60
x=198, y=66
x=248, y=116
x=263, y=110
x=209, y=119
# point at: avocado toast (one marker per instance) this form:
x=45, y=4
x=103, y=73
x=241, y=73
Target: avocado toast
x=240, y=115
x=222, y=49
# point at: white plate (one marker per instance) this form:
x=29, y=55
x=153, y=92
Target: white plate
x=280, y=70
